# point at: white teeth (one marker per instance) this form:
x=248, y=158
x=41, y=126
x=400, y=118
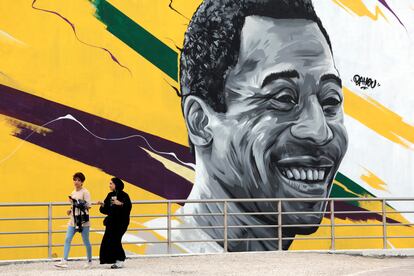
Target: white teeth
x=310, y=174
x=321, y=174
x=315, y=174
x=296, y=174
x=302, y=174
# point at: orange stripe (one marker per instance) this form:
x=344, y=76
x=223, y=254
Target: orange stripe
x=378, y=118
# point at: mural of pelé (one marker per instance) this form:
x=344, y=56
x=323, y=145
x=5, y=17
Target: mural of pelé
x=262, y=102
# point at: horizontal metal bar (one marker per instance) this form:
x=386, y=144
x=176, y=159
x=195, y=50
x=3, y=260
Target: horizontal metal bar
x=98, y=244
x=306, y=225
x=400, y=212
x=23, y=246
x=281, y=199
x=24, y=204
x=147, y=229
x=197, y=215
x=400, y=237
x=142, y=242
x=358, y=237
x=26, y=218
x=62, y=218
x=45, y=204
x=198, y=227
x=252, y=213
x=275, y=225
x=68, y=217
x=254, y=239
x=359, y=212
x=187, y=241
x=276, y=239
x=304, y=213
x=149, y=216
x=24, y=232
x=253, y=226
x=311, y=238
x=399, y=224
x=358, y=225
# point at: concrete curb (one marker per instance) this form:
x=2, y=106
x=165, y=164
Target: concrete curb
x=374, y=253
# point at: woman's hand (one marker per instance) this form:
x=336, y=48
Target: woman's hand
x=100, y=203
x=68, y=212
x=117, y=202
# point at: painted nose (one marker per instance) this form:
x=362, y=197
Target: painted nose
x=312, y=124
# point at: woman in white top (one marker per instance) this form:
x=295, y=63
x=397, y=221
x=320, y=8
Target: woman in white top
x=78, y=195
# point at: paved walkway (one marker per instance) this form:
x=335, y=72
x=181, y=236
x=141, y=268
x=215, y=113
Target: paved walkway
x=275, y=263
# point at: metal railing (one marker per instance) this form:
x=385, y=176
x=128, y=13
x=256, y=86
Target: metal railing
x=278, y=214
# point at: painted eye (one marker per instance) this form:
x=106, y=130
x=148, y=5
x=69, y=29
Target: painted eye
x=286, y=97
x=331, y=101
x=331, y=105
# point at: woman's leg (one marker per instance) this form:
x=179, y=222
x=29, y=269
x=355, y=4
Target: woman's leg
x=107, y=250
x=69, y=236
x=118, y=249
x=86, y=242
x=121, y=252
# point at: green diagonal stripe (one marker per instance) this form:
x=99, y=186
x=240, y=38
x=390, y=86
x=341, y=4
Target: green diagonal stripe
x=351, y=185
x=136, y=37
x=355, y=188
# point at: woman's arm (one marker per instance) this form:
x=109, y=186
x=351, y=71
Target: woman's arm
x=105, y=207
x=126, y=206
x=87, y=198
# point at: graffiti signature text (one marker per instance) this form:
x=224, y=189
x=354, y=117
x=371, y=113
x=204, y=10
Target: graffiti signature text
x=365, y=82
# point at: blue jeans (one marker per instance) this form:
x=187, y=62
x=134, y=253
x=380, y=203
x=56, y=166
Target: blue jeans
x=85, y=237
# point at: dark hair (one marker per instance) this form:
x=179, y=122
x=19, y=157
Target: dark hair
x=212, y=42
x=119, y=185
x=80, y=176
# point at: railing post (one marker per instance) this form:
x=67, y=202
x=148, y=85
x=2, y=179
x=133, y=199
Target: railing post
x=279, y=224
x=332, y=207
x=384, y=224
x=225, y=227
x=49, y=230
x=169, y=227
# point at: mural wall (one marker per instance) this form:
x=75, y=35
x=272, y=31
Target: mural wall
x=215, y=99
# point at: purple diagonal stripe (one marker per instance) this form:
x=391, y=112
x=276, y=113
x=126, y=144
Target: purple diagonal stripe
x=124, y=159
x=341, y=206
x=385, y=4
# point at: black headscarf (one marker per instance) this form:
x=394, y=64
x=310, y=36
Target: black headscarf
x=119, y=185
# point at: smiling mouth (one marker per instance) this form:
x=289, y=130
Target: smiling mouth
x=306, y=174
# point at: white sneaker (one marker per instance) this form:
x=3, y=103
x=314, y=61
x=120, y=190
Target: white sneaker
x=62, y=264
x=118, y=264
x=88, y=264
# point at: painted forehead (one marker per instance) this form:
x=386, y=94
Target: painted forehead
x=266, y=42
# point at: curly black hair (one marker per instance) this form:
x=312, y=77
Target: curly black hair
x=212, y=42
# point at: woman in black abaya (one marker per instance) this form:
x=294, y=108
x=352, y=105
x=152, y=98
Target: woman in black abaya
x=117, y=207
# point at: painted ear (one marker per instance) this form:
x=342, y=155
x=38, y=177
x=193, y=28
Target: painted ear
x=197, y=119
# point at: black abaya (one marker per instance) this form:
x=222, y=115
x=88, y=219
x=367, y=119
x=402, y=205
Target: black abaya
x=116, y=224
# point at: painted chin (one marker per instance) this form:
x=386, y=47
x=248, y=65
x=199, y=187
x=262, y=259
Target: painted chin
x=305, y=176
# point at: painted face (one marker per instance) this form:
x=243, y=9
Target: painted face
x=111, y=186
x=283, y=134
x=77, y=183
